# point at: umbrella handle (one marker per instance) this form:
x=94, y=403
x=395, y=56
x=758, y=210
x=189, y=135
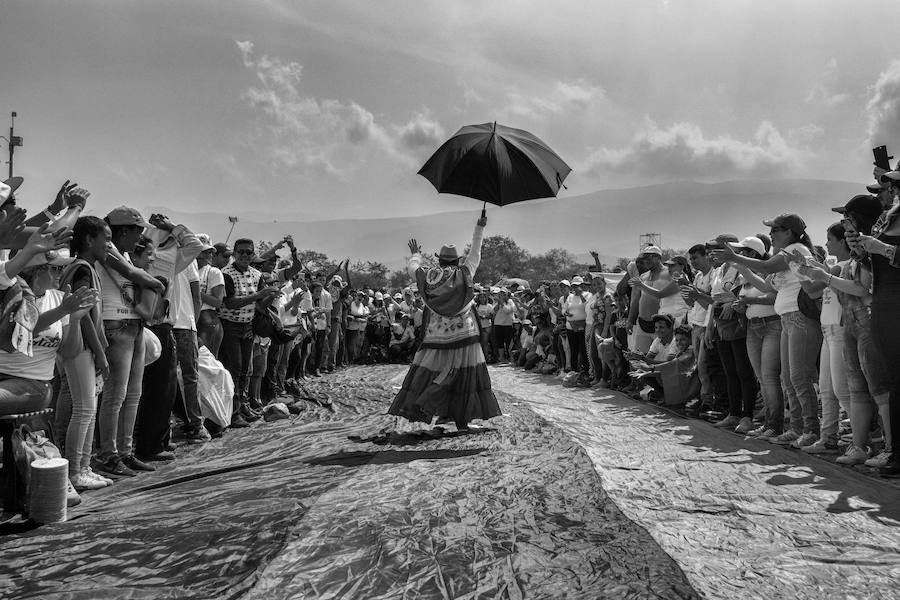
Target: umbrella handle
x=484, y=211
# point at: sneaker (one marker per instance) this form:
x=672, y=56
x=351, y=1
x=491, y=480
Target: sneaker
x=105, y=480
x=745, y=426
x=879, y=460
x=72, y=497
x=807, y=439
x=767, y=435
x=729, y=422
x=853, y=456
x=135, y=464
x=786, y=438
x=82, y=481
x=198, y=436
x=114, y=466
x=820, y=446
x=248, y=414
x=756, y=432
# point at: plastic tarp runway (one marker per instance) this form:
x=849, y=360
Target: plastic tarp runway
x=295, y=509
x=744, y=519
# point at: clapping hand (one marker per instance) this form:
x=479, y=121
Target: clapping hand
x=80, y=302
x=41, y=241
x=75, y=196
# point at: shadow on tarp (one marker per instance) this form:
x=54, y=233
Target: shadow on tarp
x=285, y=510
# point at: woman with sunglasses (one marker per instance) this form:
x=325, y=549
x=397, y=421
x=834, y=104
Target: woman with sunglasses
x=801, y=335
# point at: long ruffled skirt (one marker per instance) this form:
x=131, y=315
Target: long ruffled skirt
x=448, y=377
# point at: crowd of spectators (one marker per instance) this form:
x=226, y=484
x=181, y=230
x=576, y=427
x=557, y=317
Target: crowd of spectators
x=128, y=324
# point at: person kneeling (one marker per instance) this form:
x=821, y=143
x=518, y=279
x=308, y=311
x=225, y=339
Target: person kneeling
x=403, y=338
x=671, y=380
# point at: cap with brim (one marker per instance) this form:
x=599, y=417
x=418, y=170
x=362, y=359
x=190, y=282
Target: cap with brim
x=875, y=187
x=223, y=249
x=577, y=280
x=790, y=221
x=398, y=296
x=204, y=239
x=13, y=183
x=123, y=216
x=752, y=242
x=256, y=259
x=651, y=250
x=565, y=282
x=863, y=205
x=722, y=238
x=663, y=317
x=892, y=175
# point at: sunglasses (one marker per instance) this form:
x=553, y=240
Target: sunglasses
x=245, y=252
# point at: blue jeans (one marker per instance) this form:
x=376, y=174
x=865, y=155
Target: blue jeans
x=764, y=349
x=122, y=389
x=867, y=375
x=186, y=350
x=833, y=390
x=801, y=339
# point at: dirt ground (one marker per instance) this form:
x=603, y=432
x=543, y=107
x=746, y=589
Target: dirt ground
x=342, y=502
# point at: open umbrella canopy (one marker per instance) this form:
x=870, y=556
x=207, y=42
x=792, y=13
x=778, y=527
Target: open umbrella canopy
x=496, y=164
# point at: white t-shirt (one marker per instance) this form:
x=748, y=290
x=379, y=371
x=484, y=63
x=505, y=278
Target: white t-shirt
x=787, y=283
x=697, y=313
x=664, y=352
x=576, y=306
x=181, y=309
x=831, y=304
x=756, y=311
x=672, y=304
x=210, y=277
x=117, y=293
x=39, y=365
x=505, y=312
x=324, y=317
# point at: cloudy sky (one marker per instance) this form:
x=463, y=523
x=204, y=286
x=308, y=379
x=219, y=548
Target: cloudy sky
x=329, y=108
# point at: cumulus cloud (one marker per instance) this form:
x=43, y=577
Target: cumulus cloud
x=325, y=135
x=564, y=95
x=823, y=91
x=884, y=106
x=683, y=150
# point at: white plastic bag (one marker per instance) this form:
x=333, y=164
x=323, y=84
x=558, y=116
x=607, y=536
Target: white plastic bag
x=215, y=387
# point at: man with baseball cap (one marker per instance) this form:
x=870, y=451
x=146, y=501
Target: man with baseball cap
x=644, y=305
x=222, y=256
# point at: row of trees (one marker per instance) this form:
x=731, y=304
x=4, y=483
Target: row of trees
x=501, y=257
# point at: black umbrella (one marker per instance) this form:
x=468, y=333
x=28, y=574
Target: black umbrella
x=496, y=164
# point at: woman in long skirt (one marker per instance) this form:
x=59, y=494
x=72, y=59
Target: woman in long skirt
x=448, y=379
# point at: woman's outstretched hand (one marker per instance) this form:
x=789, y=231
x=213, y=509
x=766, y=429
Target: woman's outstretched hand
x=414, y=246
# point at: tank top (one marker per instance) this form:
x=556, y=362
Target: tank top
x=117, y=293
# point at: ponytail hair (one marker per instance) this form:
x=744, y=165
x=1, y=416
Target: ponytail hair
x=803, y=238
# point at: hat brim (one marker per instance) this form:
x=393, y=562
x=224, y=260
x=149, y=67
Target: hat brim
x=840, y=209
x=14, y=183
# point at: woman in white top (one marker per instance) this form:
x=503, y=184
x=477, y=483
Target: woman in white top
x=575, y=306
x=764, y=349
x=23, y=376
x=801, y=336
x=670, y=300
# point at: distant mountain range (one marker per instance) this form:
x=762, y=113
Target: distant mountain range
x=609, y=221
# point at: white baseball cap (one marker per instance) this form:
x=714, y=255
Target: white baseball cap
x=752, y=242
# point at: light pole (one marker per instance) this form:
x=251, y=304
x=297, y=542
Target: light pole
x=14, y=140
